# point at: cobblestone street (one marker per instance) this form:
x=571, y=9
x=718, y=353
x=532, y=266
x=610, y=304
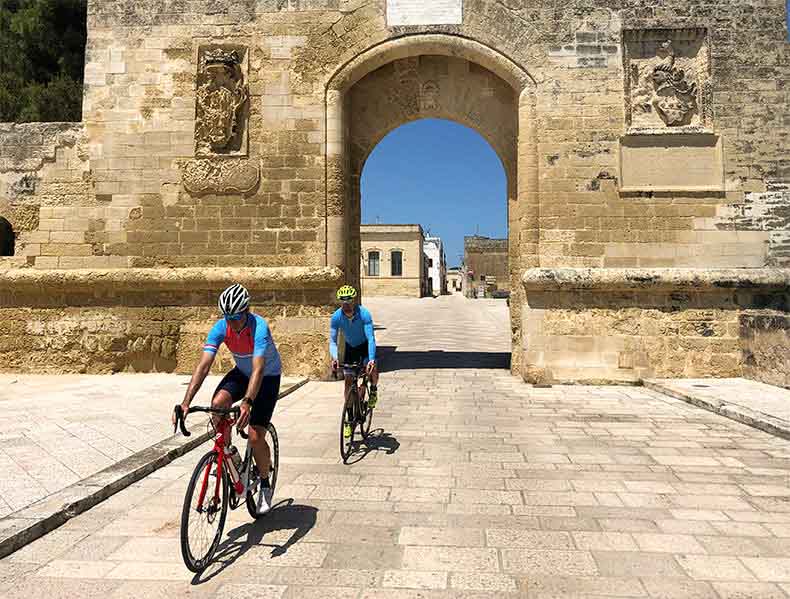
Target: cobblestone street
x=473, y=485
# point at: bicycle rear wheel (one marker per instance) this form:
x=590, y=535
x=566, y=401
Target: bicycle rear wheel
x=274, y=469
x=346, y=443
x=202, y=523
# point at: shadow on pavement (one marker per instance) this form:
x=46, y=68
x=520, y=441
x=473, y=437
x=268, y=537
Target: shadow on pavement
x=285, y=515
x=390, y=359
x=377, y=440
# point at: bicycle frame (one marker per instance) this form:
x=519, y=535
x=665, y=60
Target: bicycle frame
x=224, y=428
x=358, y=386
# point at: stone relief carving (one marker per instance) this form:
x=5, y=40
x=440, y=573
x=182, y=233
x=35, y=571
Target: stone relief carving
x=675, y=95
x=25, y=185
x=221, y=116
x=667, y=82
x=222, y=94
x=429, y=98
x=221, y=176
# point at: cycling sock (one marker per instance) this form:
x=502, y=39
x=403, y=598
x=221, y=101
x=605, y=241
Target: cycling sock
x=265, y=482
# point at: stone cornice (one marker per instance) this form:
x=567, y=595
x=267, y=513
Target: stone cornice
x=21, y=287
x=667, y=279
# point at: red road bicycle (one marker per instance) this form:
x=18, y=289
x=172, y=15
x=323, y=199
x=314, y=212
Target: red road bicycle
x=221, y=478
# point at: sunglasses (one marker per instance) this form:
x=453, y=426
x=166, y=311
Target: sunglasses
x=234, y=316
x=346, y=300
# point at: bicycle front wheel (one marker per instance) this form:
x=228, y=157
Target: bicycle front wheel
x=203, y=518
x=366, y=418
x=347, y=421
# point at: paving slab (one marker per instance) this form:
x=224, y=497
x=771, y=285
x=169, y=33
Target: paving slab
x=755, y=404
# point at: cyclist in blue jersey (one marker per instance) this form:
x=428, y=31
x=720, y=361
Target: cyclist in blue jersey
x=357, y=326
x=255, y=380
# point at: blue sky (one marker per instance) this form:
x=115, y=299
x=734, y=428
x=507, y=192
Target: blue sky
x=441, y=175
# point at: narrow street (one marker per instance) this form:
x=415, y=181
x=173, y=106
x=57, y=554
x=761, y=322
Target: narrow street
x=474, y=485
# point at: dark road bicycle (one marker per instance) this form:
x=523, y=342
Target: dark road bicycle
x=220, y=479
x=357, y=414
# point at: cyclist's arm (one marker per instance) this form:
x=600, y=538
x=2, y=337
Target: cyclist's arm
x=333, y=330
x=260, y=345
x=258, y=363
x=215, y=337
x=200, y=374
x=368, y=328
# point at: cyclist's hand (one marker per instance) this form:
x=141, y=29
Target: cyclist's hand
x=371, y=365
x=244, y=416
x=184, y=410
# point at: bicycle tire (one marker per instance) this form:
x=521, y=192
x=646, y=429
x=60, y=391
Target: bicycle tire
x=367, y=417
x=193, y=563
x=274, y=470
x=347, y=444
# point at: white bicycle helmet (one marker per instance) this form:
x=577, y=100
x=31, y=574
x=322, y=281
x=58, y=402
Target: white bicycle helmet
x=233, y=300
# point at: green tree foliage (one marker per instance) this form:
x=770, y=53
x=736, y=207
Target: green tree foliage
x=42, y=56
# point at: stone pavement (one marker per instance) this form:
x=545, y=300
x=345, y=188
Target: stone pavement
x=60, y=429
x=444, y=332
x=763, y=406
x=475, y=485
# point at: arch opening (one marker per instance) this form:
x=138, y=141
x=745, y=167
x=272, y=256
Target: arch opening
x=431, y=76
x=447, y=178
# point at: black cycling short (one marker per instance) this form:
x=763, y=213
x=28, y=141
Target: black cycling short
x=356, y=354
x=236, y=382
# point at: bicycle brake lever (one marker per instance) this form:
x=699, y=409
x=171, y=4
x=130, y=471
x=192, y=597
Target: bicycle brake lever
x=180, y=421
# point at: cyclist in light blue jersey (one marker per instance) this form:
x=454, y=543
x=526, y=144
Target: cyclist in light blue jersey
x=357, y=326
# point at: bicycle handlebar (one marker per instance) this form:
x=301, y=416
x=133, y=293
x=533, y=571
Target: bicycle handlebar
x=235, y=411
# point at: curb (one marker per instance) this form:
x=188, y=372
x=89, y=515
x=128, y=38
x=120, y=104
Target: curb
x=34, y=521
x=758, y=420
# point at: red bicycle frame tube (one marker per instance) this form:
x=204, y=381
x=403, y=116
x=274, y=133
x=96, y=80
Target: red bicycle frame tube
x=224, y=428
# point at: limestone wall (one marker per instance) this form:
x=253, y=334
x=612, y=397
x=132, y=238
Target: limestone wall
x=144, y=66
x=487, y=257
x=44, y=174
x=765, y=343
x=407, y=239
x=391, y=287
x=222, y=133
x=151, y=319
x=626, y=325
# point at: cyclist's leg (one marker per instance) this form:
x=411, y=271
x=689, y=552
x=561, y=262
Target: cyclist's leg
x=230, y=389
x=374, y=375
x=262, y=410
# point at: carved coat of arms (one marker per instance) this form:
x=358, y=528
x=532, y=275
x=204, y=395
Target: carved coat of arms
x=221, y=94
x=675, y=96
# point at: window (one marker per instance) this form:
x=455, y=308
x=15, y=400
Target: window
x=482, y=278
x=373, y=264
x=430, y=262
x=397, y=263
x=6, y=238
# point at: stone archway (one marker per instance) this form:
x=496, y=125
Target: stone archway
x=432, y=76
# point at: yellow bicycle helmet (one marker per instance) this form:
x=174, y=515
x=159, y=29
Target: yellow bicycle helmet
x=346, y=292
